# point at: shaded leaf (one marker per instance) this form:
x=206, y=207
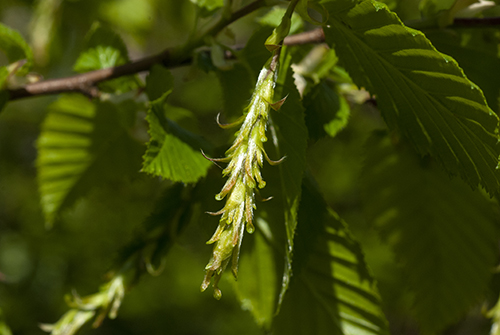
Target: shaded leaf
x=327, y=111
x=15, y=48
x=159, y=83
x=274, y=16
x=81, y=145
x=420, y=91
x=467, y=46
x=236, y=89
x=289, y=134
x=332, y=291
x=258, y=276
x=4, y=75
x=4, y=98
x=443, y=233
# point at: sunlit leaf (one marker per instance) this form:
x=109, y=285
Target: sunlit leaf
x=443, y=233
x=169, y=155
x=173, y=152
x=81, y=145
x=104, y=49
x=331, y=291
x=420, y=91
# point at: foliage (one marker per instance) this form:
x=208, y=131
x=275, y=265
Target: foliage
x=392, y=122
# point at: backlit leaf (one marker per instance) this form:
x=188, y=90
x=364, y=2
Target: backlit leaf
x=420, y=91
x=169, y=155
x=104, y=49
x=443, y=233
x=331, y=291
x=81, y=145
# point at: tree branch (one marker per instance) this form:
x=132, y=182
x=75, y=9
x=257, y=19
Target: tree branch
x=86, y=83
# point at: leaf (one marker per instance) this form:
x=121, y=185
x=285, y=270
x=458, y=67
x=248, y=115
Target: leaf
x=420, y=91
x=273, y=18
x=443, y=233
x=327, y=111
x=208, y=6
x=81, y=145
x=236, y=90
x=332, y=291
x=4, y=98
x=467, y=46
x=15, y=48
x=105, y=49
x=168, y=154
x=159, y=83
x=289, y=135
x=170, y=215
x=258, y=276
x=4, y=76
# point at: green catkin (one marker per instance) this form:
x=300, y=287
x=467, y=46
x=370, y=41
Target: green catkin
x=246, y=157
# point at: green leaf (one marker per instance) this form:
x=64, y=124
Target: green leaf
x=4, y=328
x=327, y=111
x=15, y=48
x=4, y=75
x=466, y=46
x=331, y=291
x=173, y=153
x=4, y=98
x=420, y=91
x=289, y=132
x=159, y=83
x=236, y=90
x=169, y=155
x=273, y=18
x=171, y=214
x=208, y=6
x=81, y=145
x=443, y=233
x=257, y=274
x=105, y=49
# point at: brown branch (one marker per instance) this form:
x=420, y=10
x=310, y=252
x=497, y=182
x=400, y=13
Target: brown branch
x=475, y=22
x=86, y=83
x=312, y=36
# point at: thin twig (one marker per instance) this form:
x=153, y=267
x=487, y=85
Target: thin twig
x=85, y=83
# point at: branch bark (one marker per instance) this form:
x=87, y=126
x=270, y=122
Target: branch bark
x=86, y=83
